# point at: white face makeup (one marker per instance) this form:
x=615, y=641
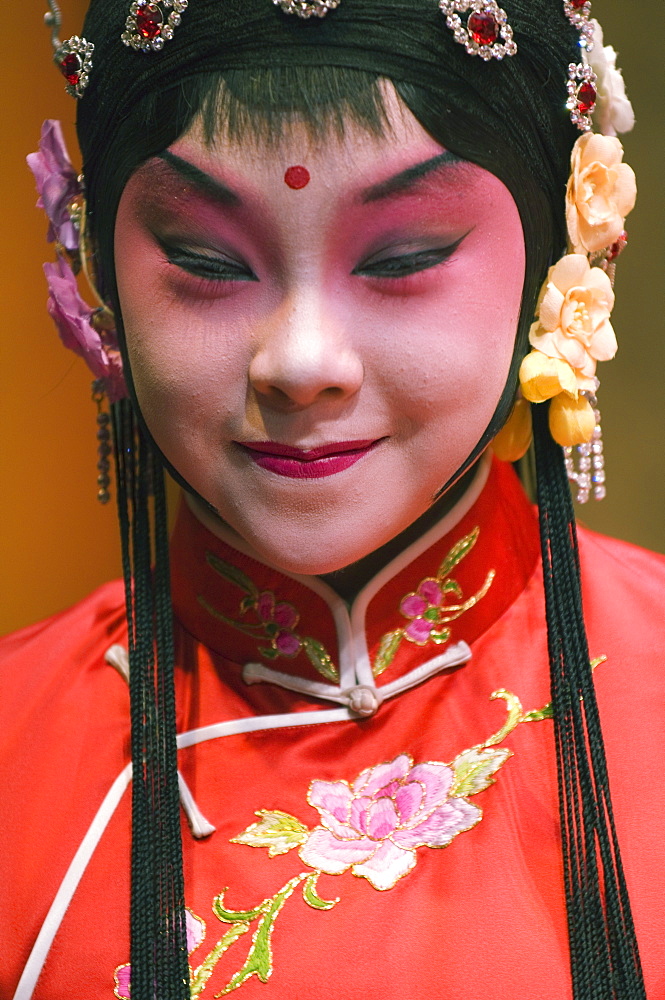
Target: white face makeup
x=317, y=360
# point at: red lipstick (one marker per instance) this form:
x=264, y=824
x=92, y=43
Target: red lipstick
x=307, y=463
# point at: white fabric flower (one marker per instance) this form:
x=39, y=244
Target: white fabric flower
x=614, y=112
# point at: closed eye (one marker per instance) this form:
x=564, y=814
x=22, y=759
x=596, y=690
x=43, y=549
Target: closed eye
x=401, y=265
x=206, y=266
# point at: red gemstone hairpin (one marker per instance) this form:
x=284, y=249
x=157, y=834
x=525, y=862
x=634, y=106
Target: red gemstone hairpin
x=150, y=24
x=73, y=57
x=486, y=32
x=582, y=83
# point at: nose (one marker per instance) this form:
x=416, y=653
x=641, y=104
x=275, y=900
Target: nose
x=304, y=355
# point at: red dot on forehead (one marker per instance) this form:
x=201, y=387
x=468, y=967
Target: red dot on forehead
x=297, y=177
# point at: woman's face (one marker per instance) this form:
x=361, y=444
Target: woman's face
x=317, y=350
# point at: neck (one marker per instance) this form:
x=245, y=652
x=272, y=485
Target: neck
x=349, y=580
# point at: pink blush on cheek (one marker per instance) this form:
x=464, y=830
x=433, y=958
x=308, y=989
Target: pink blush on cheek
x=297, y=177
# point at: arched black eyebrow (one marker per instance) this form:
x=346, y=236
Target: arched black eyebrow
x=407, y=178
x=201, y=180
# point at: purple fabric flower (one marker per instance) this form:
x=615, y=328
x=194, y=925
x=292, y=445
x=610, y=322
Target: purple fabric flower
x=57, y=184
x=73, y=318
x=375, y=825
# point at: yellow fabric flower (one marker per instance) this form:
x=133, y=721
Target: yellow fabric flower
x=571, y=421
x=542, y=377
x=601, y=192
x=514, y=438
x=573, y=318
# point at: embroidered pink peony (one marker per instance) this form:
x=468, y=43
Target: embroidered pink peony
x=73, y=318
x=375, y=825
x=279, y=620
x=601, y=192
x=574, y=318
x=57, y=184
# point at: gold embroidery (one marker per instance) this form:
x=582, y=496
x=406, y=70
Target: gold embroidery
x=276, y=621
x=427, y=609
x=372, y=825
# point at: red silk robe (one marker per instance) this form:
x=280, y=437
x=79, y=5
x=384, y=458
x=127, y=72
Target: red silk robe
x=412, y=851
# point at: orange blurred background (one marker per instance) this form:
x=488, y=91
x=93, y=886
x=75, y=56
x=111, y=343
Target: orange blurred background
x=57, y=542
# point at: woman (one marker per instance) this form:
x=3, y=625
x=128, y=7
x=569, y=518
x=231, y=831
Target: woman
x=320, y=243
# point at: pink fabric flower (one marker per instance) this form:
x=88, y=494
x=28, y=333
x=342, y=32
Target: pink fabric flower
x=421, y=607
x=375, y=825
x=73, y=316
x=279, y=620
x=57, y=184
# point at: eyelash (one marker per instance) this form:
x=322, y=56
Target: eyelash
x=207, y=268
x=405, y=264
x=216, y=269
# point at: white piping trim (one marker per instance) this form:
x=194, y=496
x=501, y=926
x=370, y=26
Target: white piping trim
x=76, y=870
x=256, y=723
x=68, y=886
x=408, y=555
x=354, y=666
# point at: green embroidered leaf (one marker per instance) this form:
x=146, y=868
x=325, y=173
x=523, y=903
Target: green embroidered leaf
x=386, y=652
x=431, y=615
x=247, y=604
x=232, y=574
x=319, y=658
x=259, y=959
x=457, y=553
x=235, y=916
x=268, y=652
x=474, y=769
x=453, y=587
x=278, y=831
x=538, y=714
x=311, y=896
x=440, y=637
x=199, y=977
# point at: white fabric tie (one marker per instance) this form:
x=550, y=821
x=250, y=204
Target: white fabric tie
x=117, y=657
x=362, y=699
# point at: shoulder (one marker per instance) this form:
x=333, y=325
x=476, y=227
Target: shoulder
x=612, y=569
x=60, y=649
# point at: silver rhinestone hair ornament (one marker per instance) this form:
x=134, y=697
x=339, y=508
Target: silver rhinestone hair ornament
x=486, y=32
x=307, y=8
x=149, y=25
x=73, y=57
x=582, y=83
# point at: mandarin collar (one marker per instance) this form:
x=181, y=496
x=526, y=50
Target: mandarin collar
x=440, y=594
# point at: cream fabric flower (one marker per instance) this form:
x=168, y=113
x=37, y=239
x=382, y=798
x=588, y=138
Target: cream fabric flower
x=613, y=112
x=574, y=317
x=601, y=192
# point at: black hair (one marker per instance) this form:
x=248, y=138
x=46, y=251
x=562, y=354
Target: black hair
x=508, y=118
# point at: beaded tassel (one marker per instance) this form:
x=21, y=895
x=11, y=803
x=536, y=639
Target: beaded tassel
x=585, y=463
x=103, y=442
